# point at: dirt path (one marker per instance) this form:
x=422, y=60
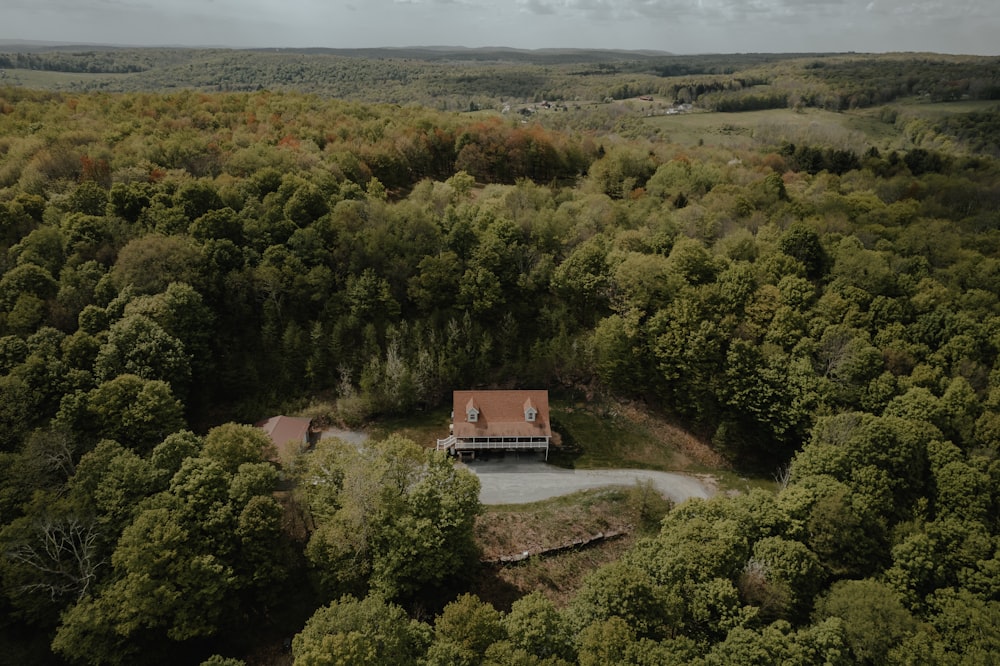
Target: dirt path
x=516, y=481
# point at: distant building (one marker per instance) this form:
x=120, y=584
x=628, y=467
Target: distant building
x=291, y=435
x=498, y=421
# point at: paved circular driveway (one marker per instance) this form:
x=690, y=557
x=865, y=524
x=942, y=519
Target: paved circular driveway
x=516, y=480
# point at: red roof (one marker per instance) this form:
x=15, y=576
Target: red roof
x=285, y=429
x=501, y=414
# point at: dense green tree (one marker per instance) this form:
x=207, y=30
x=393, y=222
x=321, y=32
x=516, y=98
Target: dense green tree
x=167, y=456
x=151, y=262
x=219, y=224
x=535, y=625
x=27, y=279
x=803, y=244
x=843, y=444
x=109, y=482
x=189, y=557
x=946, y=553
x=583, y=278
x=875, y=621
x=606, y=642
x=620, y=172
x=369, y=631
x=821, y=643
x=135, y=412
x=626, y=592
x=232, y=445
x=197, y=198
x=643, y=282
x=137, y=345
x=433, y=286
x=781, y=577
x=129, y=200
x=620, y=355
x=847, y=539
x=463, y=632
x=687, y=349
x=42, y=247
x=963, y=631
x=392, y=515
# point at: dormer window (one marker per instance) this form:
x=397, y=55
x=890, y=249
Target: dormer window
x=471, y=412
x=530, y=413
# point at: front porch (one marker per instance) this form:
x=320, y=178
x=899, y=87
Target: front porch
x=459, y=445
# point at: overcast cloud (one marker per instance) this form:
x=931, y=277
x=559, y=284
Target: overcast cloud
x=681, y=26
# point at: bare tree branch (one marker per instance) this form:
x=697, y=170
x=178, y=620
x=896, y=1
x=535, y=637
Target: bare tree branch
x=62, y=553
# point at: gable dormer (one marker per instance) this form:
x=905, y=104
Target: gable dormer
x=530, y=413
x=471, y=412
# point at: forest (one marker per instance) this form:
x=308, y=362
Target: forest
x=819, y=307
x=464, y=79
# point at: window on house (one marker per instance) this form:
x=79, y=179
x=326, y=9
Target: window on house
x=530, y=414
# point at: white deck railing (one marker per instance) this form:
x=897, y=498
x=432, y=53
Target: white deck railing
x=479, y=446
x=453, y=442
x=446, y=443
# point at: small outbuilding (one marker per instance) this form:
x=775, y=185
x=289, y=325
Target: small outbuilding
x=498, y=420
x=291, y=435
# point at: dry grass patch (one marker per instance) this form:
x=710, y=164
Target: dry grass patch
x=510, y=530
x=558, y=577
x=621, y=434
x=507, y=530
x=692, y=449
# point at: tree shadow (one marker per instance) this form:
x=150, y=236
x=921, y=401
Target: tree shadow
x=492, y=588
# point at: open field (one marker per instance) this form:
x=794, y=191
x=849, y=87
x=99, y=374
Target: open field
x=941, y=109
x=857, y=130
x=30, y=78
x=735, y=130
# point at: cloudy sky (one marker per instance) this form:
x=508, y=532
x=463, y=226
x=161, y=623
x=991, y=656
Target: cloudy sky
x=681, y=26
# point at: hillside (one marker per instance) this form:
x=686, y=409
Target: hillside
x=463, y=79
x=800, y=269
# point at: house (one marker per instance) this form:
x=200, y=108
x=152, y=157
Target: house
x=290, y=435
x=498, y=421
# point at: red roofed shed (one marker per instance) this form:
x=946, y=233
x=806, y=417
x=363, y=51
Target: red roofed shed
x=289, y=434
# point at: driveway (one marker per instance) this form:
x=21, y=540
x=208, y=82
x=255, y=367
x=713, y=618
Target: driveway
x=355, y=437
x=523, y=478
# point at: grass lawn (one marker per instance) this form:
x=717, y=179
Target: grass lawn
x=612, y=435
x=423, y=427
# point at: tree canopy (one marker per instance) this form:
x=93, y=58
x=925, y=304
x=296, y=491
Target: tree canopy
x=802, y=298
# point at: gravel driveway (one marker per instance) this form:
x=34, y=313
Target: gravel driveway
x=355, y=437
x=516, y=480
